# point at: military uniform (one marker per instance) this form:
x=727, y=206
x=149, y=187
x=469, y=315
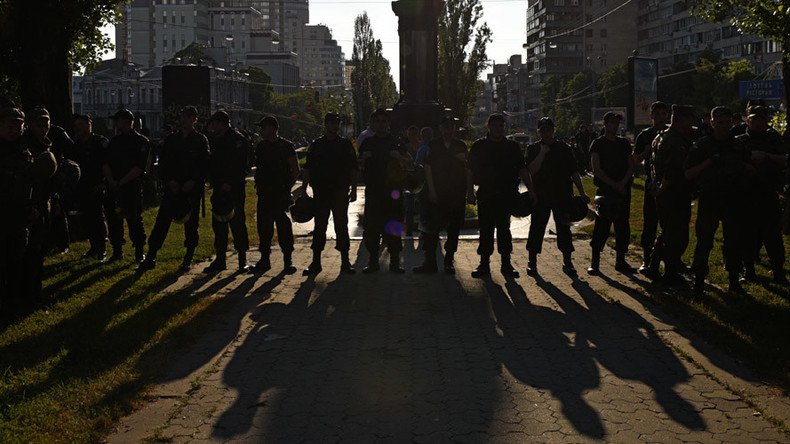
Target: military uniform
x=614, y=158
x=184, y=158
x=62, y=196
x=722, y=188
x=673, y=199
x=16, y=185
x=765, y=226
x=273, y=182
x=448, y=165
x=644, y=141
x=228, y=166
x=554, y=189
x=495, y=167
x=90, y=154
x=125, y=152
x=332, y=166
x=384, y=174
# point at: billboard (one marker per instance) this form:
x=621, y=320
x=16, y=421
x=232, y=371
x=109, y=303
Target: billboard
x=761, y=89
x=643, y=89
x=184, y=85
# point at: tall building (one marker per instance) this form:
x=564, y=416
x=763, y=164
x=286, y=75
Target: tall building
x=569, y=36
x=668, y=32
x=321, y=58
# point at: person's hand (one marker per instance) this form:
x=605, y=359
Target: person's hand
x=188, y=186
x=173, y=187
x=225, y=187
x=619, y=187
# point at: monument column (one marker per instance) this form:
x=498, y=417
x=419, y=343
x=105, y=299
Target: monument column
x=418, y=27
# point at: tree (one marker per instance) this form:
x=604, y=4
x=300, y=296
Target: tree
x=769, y=19
x=261, y=91
x=195, y=54
x=371, y=82
x=459, y=69
x=613, y=85
x=42, y=42
x=575, y=102
x=550, y=92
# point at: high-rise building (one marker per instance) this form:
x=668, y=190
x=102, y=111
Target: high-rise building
x=569, y=36
x=321, y=58
x=668, y=32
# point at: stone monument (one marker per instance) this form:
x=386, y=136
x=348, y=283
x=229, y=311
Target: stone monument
x=418, y=27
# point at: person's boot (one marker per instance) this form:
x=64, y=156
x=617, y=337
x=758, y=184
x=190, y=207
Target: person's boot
x=483, y=270
x=186, y=263
x=315, y=266
x=749, y=275
x=372, y=267
x=699, y=286
x=532, y=265
x=217, y=265
x=395, y=264
x=507, y=268
x=263, y=265
x=288, y=266
x=595, y=264
x=139, y=254
x=345, y=264
x=779, y=276
x=735, y=285
x=243, y=267
x=149, y=263
x=449, y=263
x=646, y=262
x=117, y=254
x=428, y=266
x=622, y=266
x=567, y=264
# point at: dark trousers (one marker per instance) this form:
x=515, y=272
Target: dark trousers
x=59, y=223
x=494, y=215
x=126, y=204
x=91, y=206
x=622, y=228
x=164, y=218
x=766, y=229
x=730, y=214
x=383, y=220
x=650, y=224
x=33, y=259
x=13, y=242
x=334, y=201
x=674, y=216
x=269, y=215
x=443, y=216
x=236, y=225
x=537, y=229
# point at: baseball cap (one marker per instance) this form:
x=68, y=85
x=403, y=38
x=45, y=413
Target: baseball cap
x=123, y=114
x=759, y=111
x=190, y=111
x=37, y=113
x=612, y=115
x=545, y=122
x=9, y=114
x=496, y=117
x=448, y=118
x=220, y=116
x=331, y=117
x=269, y=121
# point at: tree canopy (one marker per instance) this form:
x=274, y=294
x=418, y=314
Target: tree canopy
x=371, y=82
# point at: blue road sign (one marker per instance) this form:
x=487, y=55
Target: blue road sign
x=762, y=89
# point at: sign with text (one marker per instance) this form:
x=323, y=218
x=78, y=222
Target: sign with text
x=643, y=82
x=762, y=89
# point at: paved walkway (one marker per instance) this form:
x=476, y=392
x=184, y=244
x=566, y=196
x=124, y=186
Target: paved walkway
x=439, y=358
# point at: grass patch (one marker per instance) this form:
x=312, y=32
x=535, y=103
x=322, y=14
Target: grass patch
x=68, y=373
x=754, y=329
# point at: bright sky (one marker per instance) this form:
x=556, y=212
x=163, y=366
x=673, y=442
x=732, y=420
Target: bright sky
x=506, y=18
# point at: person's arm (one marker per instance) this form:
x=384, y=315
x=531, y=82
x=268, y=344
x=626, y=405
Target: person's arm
x=692, y=173
x=429, y=183
x=535, y=165
x=527, y=179
x=470, y=187
x=306, y=169
x=577, y=181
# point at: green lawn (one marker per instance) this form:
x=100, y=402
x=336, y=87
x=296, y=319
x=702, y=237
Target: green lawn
x=68, y=373
x=755, y=329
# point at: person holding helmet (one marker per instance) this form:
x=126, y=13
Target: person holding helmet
x=554, y=171
x=183, y=165
x=613, y=172
x=227, y=173
x=124, y=167
x=276, y=171
x=449, y=185
x=331, y=170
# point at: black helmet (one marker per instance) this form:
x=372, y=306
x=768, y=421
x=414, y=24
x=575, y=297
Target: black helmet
x=303, y=210
x=522, y=205
x=69, y=172
x=222, y=208
x=608, y=206
x=180, y=208
x=577, y=209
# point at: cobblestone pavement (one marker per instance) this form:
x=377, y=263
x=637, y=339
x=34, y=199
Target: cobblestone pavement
x=450, y=358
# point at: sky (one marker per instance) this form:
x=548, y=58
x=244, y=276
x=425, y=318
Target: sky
x=506, y=18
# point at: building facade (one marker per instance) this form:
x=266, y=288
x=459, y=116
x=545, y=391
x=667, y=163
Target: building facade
x=322, y=59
